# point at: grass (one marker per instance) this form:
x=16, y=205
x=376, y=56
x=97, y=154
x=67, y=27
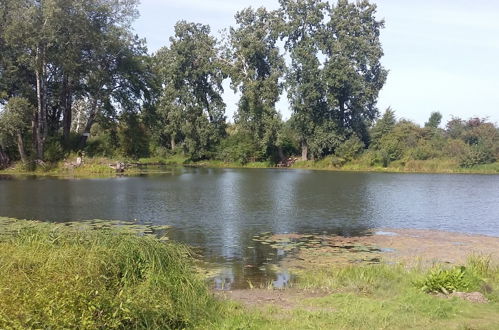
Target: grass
x=55, y=276
x=375, y=297
x=409, y=166
x=98, y=166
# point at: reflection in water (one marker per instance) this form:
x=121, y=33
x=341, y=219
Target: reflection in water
x=220, y=210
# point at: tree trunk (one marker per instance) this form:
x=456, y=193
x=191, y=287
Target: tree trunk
x=67, y=109
x=342, y=114
x=304, y=150
x=41, y=118
x=20, y=147
x=88, y=126
x=4, y=159
x=172, y=142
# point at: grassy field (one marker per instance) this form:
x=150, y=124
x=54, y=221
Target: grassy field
x=58, y=276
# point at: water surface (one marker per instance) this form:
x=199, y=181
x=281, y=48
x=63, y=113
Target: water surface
x=220, y=210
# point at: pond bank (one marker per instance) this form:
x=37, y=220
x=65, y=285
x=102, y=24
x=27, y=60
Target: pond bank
x=98, y=167
x=389, y=279
x=101, y=274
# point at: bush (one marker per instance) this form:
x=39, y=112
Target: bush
x=476, y=155
x=350, y=149
x=238, y=147
x=57, y=277
x=54, y=150
x=446, y=280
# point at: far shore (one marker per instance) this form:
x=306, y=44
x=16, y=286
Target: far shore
x=103, y=167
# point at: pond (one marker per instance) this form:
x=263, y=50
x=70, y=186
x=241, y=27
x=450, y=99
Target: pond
x=222, y=212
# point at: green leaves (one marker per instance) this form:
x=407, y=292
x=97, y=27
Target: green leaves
x=446, y=280
x=335, y=74
x=256, y=66
x=191, y=107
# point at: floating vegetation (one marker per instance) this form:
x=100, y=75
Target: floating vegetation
x=296, y=249
x=9, y=226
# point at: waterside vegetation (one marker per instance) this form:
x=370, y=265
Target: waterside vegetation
x=105, y=274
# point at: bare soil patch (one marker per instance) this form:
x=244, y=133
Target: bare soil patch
x=286, y=299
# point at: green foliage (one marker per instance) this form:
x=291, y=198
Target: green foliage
x=434, y=120
x=103, y=141
x=383, y=126
x=287, y=140
x=255, y=66
x=56, y=277
x=238, y=147
x=133, y=139
x=350, y=149
x=191, y=109
x=72, y=68
x=446, y=280
x=425, y=150
x=54, y=150
x=476, y=155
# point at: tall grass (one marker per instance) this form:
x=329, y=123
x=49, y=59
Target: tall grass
x=57, y=277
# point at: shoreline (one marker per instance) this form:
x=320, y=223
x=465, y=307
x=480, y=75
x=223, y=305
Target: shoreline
x=42, y=261
x=89, y=172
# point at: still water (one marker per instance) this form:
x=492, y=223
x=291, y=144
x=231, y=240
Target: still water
x=220, y=210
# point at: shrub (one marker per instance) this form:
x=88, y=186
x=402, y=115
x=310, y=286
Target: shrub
x=446, y=280
x=476, y=155
x=350, y=149
x=238, y=147
x=54, y=150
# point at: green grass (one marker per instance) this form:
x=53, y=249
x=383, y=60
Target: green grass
x=409, y=166
x=374, y=297
x=55, y=276
x=174, y=160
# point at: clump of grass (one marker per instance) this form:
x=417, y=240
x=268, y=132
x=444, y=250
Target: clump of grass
x=361, y=279
x=446, y=281
x=60, y=277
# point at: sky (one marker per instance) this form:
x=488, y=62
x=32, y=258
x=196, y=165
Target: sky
x=441, y=55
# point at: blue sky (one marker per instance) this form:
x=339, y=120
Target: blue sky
x=442, y=55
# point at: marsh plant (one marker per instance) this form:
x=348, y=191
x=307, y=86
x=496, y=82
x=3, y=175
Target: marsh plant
x=54, y=276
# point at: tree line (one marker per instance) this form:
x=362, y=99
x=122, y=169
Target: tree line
x=74, y=77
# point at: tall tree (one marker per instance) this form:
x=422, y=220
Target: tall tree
x=352, y=74
x=256, y=66
x=57, y=46
x=383, y=126
x=191, y=105
x=302, y=23
x=119, y=80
